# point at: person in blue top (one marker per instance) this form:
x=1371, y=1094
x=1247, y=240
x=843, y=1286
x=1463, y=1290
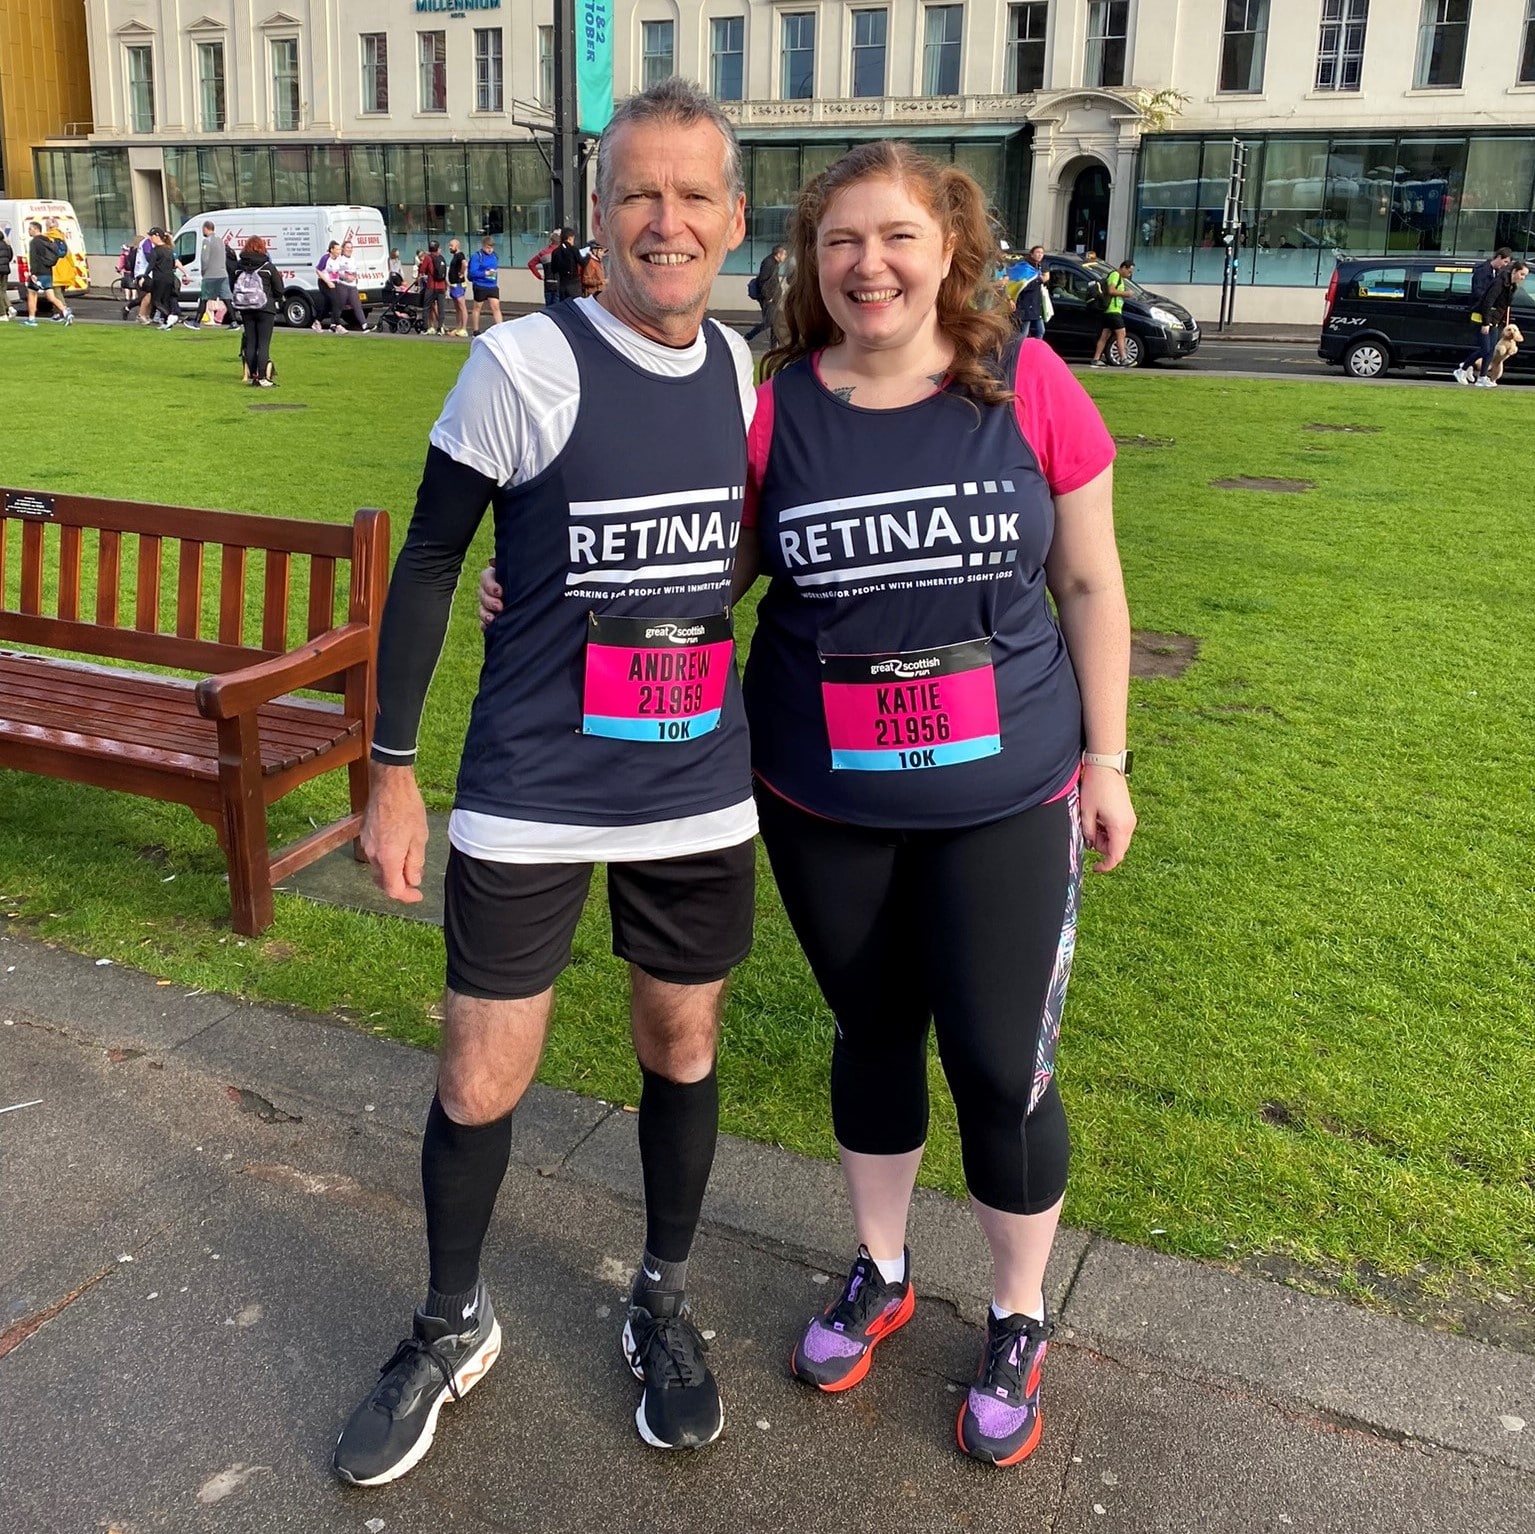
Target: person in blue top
x=484, y=284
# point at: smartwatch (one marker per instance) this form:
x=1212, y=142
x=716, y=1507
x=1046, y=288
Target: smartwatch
x=1120, y=760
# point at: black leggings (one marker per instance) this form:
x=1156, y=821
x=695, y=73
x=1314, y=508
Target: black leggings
x=257, y=342
x=971, y=930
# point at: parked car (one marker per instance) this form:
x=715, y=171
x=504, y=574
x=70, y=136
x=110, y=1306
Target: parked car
x=1156, y=328
x=296, y=238
x=1397, y=311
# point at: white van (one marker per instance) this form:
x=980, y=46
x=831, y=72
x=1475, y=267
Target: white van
x=296, y=238
x=51, y=213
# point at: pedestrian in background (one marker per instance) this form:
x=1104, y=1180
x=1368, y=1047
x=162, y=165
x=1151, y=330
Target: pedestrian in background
x=458, y=278
x=164, y=281
x=540, y=268
x=257, y=297
x=484, y=284
x=1028, y=311
x=215, y=284
x=7, y=260
x=141, y=256
x=434, y=288
x=1116, y=285
x=1497, y=315
x=343, y=271
x=593, y=277
x=1483, y=275
x=565, y=263
x=769, y=290
x=42, y=256
x=325, y=291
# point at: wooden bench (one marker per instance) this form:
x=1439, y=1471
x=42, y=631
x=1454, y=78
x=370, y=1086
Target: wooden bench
x=228, y=745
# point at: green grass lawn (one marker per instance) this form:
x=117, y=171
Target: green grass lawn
x=1301, y=1022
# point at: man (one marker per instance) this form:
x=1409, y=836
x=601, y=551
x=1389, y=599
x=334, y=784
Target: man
x=485, y=284
x=42, y=256
x=1496, y=312
x=1117, y=284
x=769, y=290
x=434, y=287
x=215, y=283
x=540, y=268
x=565, y=264
x=1028, y=311
x=1483, y=276
x=458, y=279
x=609, y=435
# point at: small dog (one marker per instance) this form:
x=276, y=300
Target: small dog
x=1508, y=343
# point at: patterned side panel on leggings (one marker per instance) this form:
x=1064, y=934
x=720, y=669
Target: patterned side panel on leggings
x=1055, y=995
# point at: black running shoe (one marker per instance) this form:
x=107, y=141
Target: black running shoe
x=680, y=1408
x=394, y=1424
x=838, y=1345
x=999, y=1420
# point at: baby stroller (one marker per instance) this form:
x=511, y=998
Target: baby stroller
x=400, y=311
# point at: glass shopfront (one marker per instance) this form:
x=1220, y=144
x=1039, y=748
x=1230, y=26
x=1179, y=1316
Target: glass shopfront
x=1309, y=198
x=438, y=191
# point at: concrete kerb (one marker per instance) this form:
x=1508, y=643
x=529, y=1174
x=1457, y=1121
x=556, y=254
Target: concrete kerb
x=1360, y=1369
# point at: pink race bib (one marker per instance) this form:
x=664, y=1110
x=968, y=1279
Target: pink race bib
x=921, y=708
x=656, y=679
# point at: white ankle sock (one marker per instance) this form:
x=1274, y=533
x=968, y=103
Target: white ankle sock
x=891, y=1269
x=1002, y=1315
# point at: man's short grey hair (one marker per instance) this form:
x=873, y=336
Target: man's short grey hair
x=675, y=101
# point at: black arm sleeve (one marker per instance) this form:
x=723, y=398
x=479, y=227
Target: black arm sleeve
x=449, y=505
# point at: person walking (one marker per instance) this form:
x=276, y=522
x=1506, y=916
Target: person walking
x=257, y=298
x=7, y=260
x=484, y=284
x=539, y=266
x=343, y=271
x=593, y=278
x=214, y=283
x=325, y=290
x=565, y=264
x=434, y=287
x=1483, y=275
x=1116, y=285
x=930, y=756
x=42, y=256
x=1497, y=314
x=164, y=281
x=769, y=289
x=458, y=289
x=144, y=250
x=609, y=437
x=1029, y=305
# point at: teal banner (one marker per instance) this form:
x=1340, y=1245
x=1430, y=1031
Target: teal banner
x=594, y=63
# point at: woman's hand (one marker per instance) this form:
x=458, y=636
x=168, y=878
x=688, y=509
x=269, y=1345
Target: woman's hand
x=1108, y=818
x=490, y=596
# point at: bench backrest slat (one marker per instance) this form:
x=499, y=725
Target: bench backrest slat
x=305, y=569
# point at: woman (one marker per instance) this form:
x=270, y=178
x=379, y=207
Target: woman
x=343, y=270
x=593, y=278
x=919, y=480
x=164, y=281
x=257, y=297
x=325, y=311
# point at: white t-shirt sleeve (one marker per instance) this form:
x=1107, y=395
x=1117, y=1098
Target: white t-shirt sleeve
x=514, y=405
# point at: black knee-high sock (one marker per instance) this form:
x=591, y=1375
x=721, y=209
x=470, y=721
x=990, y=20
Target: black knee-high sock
x=461, y=1170
x=679, y=1122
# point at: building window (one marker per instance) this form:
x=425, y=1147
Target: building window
x=1340, y=47
x=285, y=94
x=1527, y=47
x=658, y=52
x=1026, y=46
x=869, y=31
x=434, y=71
x=1243, y=45
x=210, y=87
x=546, y=67
x=1442, y=43
x=487, y=69
x=1108, y=26
x=727, y=42
x=375, y=71
x=797, y=82
x=141, y=88
x=940, y=50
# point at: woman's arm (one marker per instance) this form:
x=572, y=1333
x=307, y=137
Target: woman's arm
x=748, y=564
x=1084, y=577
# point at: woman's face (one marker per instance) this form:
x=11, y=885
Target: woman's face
x=346, y=247
x=882, y=259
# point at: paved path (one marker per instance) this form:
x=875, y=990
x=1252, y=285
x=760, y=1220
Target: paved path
x=212, y=1237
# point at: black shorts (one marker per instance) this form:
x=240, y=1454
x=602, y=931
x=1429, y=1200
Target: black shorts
x=481, y=294
x=509, y=926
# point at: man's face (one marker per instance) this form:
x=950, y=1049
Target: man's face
x=453, y=246
x=670, y=221
x=1037, y=255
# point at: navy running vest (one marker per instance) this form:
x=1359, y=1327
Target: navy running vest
x=906, y=670
x=608, y=694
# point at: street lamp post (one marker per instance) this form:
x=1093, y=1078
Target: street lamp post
x=566, y=170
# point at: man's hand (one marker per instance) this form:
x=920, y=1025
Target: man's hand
x=394, y=832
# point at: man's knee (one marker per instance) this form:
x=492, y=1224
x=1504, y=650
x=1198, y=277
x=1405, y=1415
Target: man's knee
x=676, y=1027
x=489, y=1055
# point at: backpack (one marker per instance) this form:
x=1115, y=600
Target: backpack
x=125, y=260
x=250, y=291
x=754, y=291
x=1098, y=295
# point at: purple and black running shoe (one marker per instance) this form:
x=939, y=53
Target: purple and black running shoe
x=999, y=1420
x=838, y=1345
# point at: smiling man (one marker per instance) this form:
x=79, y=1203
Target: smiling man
x=608, y=435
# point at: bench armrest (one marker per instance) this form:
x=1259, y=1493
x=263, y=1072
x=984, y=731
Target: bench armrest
x=239, y=692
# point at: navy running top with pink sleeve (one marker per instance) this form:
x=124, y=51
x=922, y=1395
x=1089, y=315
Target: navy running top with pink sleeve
x=907, y=670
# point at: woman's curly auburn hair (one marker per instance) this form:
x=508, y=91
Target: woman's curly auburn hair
x=254, y=246
x=972, y=311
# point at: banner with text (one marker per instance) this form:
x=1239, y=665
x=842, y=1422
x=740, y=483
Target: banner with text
x=594, y=63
